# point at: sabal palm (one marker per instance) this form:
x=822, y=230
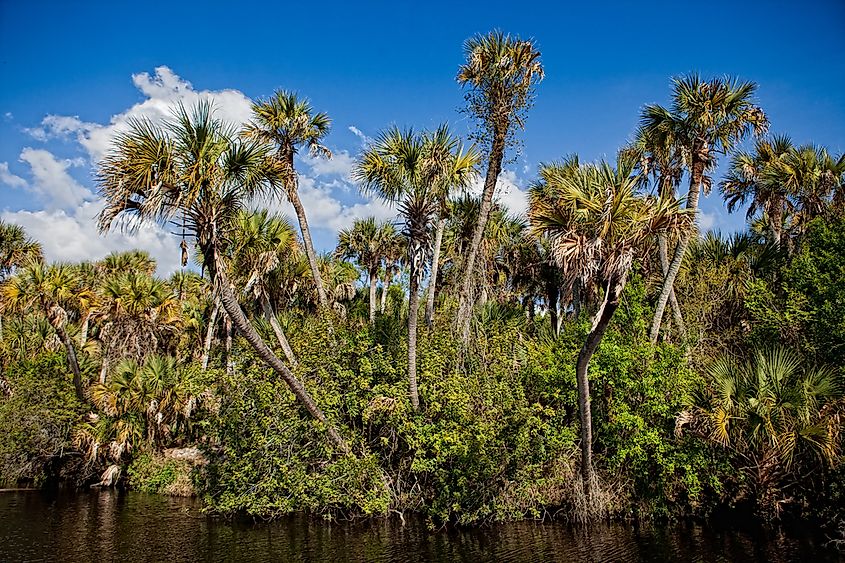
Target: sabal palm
x=136, y=312
x=367, y=242
x=706, y=118
x=598, y=223
x=287, y=122
x=500, y=73
x=771, y=410
x=394, y=168
x=661, y=158
x=814, y=179
x=53, y=290
x=450, y=168
x=16, y=248
x=195, y=168
x=261, y=243
x=750, y=180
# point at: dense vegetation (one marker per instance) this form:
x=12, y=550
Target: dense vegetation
x=598, y=357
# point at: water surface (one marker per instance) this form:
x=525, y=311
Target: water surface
x=134, y=527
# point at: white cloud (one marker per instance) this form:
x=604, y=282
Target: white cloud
x=508, y=192
x=73, y=236
x=706, y=221
x=164, y=90
x=6, y=177
x=340, y=164
x=360, y=134
x=51, y=182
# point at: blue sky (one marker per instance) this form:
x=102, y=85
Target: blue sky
x=73, y=72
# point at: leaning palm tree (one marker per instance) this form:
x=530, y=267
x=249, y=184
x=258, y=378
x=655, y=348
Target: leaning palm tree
x=661, y=157
x=288, y=123
x=500, y=72
x=194, y=167
x=394, y=168
x=52, y=290
x=706, y=118
x=598, y=223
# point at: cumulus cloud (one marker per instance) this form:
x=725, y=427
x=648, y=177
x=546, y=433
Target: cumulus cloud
x=706, y=221
x=51, y=182
x=508, y=192
x=66, y=223
x=360, y=134
x=9, y=179
x=72, y=236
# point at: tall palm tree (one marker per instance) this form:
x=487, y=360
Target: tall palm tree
x=662, y=158
x=261, y=243
x=706, y=118
x=53, y=290
x=500, y=73
x=289, y=123
x=394, y=167
x=598, y=223
x=453, y=168
x=194, y=167
x=367, y=243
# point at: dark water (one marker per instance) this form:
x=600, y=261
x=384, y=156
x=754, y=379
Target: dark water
x=129, y=527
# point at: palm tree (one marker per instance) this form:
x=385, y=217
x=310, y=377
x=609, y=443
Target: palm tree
x=16, y=249
x=598, y=224
x=452, y=168
x=500, y=72
x=261, y=243
x=662, y=158
x=367, y=243
x=288, y=123
x=706, y=118
x=394, y=167
x=769, y=410
x=137, y=312
x=194, y=167
x=53, y=290
x=750, y=179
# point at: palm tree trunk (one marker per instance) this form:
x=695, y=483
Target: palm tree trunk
x=467, y=297
x=669, y=280
x=230, y=362
x=600, y=324
x=293, y=196
x=435, y=267
x=209, y=334
x=233, y=309
x=270, y=315
x=74, y=364
x=373, y=274
x=83, y=332
x=385, y=285
x=673, y=301
x=552, y=297
x=413, y=313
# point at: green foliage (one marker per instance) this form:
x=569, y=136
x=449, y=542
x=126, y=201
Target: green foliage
x=805, y=308
x=155, y=474
x=37, y=419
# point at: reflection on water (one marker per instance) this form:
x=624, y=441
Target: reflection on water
x=111, y=526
